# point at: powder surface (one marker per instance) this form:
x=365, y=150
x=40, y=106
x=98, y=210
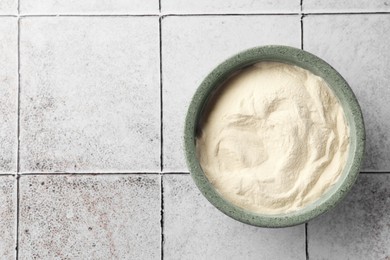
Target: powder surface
x=273, y=139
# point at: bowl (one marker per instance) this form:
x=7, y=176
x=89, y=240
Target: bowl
x=341, y=89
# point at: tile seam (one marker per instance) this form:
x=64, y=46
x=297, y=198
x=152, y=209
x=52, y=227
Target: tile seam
x=301, y=22
x=131, y=173
x=161, y=99
x=273, y=13
x=375, y=172
x=86, y=173
x=17, y=182
x=161, y=140
x=17, y=213
x=196, y=14
x=162, y=216
x=89, y=15
x=176, y=173
x=345, y=13
x=306, y=242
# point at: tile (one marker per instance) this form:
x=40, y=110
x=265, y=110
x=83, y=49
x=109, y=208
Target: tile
x=229, y=6
x=192, y=47
x=194, y=229
x=359, y=228
x=89, y=7
x=89, y=217
x=357, y=46
x=345, y=5
x=8, y=93
x=7, y=217
x=9, y=7
x=90, y=94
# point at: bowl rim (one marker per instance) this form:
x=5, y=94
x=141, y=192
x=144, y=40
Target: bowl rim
x=306, y=60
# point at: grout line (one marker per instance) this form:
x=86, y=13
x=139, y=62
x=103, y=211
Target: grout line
x=89, y=15
x=192, y=15
x=195, y=14
x=374, y=172
x=343, y=13
x=87, y=173
x=162, y=217
x=306, y=242
x=302, y=15
x=161, y=99
x=159, y=6
x=18, y=103
x=18, y=144
x=130, y=173
x=302, y=31
x=161, y=140
x=17, y=213
x=231, y=14
x=18, y=96
x=175, y=173
x=143, y=15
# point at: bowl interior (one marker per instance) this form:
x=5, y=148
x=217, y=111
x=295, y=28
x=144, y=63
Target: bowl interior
x=341, y=89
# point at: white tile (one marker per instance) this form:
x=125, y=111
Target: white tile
x=9, y=7
x=8, y=93
x=90, y=94
x=357, y=46
x=89, y=7
x=194, y=229
x=345, y=5
x=359, y=228
x=192, y=47
x=230, y=6
x=89, y=217
x=7, y=217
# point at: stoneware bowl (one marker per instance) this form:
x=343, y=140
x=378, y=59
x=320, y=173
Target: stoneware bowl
x=341, y=89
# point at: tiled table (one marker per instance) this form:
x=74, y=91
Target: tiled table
x=92, y=102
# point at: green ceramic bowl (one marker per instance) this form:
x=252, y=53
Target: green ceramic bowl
x=339, y=86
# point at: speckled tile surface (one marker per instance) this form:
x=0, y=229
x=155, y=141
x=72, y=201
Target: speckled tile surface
x=7, y=217
x=336, y=6
x=8, y=93
x=93, y=96
x=89, y=217
x=89, y=6
x=8, y=7
x=357, y=46
x=186, y=40
x=89, y=96
x=357, y=229
x=229, y=6
x=194, y=229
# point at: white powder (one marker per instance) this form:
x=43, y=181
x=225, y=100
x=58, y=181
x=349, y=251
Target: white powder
x=274, y=139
